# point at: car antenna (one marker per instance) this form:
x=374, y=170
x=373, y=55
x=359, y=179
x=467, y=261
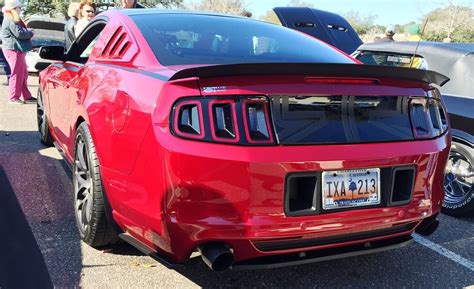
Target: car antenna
x=418, y=44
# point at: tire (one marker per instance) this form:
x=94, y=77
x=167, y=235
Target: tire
x=43, y=123
x=459, y=181
x=89, y=202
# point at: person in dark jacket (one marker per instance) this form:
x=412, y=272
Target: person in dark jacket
x=389, y=33
x=16, y=40
x=72, y=12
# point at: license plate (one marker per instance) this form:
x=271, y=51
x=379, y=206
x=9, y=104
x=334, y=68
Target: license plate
x=347, y=189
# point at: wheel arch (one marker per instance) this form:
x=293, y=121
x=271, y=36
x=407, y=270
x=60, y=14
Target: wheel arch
x=462, y=137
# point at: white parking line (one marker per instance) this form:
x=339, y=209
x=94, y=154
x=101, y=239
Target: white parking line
x=445, y=252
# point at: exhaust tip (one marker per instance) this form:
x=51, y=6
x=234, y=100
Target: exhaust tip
x=218, y=256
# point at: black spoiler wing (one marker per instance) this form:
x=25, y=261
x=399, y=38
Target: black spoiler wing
x=313, y=69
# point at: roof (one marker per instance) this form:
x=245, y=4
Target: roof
x=425, y=47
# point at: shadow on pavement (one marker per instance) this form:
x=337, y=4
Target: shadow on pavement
x=21, y=263
x=42, y=188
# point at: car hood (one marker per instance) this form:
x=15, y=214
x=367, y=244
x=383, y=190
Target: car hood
x=47, y=31
x=328, y=27
x=47, y=24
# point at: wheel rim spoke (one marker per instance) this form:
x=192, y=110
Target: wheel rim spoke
x=464, y=187
x=81, y=157
x=40, y=114
x=457, y=187
x=88, y=208
x=83, y=185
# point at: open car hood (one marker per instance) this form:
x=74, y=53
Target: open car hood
x=45, y=25
x=328, y=27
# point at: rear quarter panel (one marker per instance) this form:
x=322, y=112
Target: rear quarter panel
x=118, y=103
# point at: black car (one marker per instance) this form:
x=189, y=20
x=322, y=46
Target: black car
x=326, y=26
x=455, y=60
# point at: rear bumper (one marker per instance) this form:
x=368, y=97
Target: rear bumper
x=208, y=192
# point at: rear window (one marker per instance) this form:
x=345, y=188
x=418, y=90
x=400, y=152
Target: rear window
x=392, y=59
x=180, y=39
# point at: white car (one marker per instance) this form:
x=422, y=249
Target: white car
x=47, y=32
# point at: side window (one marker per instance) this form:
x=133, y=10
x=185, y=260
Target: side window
x=81, y=49
x=87, y=52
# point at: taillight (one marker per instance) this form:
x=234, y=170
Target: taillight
x=236, y=119
x=428, y=118
x=187, y=120
x=256, y=121
x=223, y=121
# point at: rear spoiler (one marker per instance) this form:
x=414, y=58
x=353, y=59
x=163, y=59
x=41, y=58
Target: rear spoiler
x=313, y=69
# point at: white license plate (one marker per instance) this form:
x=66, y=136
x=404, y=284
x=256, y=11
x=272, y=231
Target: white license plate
x=353, y=188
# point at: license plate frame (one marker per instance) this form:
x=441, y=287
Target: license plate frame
x=361, y=189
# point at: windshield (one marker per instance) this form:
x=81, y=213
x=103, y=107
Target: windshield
x=180, y=39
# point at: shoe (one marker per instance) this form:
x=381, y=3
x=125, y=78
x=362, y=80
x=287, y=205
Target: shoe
x=31, y=100
x=16, y=101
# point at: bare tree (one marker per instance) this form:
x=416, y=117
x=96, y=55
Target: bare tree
x=361, y=23
x=271, y=17
x=452, y=23
x=299, y=3
x=235, y=7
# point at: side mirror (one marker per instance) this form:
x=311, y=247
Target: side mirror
x=52, y=52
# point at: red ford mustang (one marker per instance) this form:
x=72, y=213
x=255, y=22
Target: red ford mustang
x=252, y=143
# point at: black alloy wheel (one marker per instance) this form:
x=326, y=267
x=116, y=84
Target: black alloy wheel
x=89, y=206
x=459, y=181
x=42, y=120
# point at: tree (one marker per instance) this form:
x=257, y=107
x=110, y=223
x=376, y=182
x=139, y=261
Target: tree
x=299, y=3
x=46, y=7
x=271, y=17
x=451, y=23
x=55, y=7
x=362, y=24
x=235, y=7
x=166, y=4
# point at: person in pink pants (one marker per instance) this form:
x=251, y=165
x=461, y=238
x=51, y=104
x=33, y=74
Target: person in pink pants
x=18, y=85
x=16, y=40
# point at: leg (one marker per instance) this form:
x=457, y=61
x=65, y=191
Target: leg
x=16, y=78
x=24, y=89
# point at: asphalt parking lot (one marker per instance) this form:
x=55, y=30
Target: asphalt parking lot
x=36, y=191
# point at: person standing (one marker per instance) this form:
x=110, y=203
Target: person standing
x=16, y=41
x=86, y=13
x=73, y=13
x=127, y=4
x=6, y=67
x=389, y=33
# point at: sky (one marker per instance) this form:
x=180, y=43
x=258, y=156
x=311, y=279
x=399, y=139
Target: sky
x=387, y=11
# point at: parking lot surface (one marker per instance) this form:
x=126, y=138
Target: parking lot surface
x=35, y=178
